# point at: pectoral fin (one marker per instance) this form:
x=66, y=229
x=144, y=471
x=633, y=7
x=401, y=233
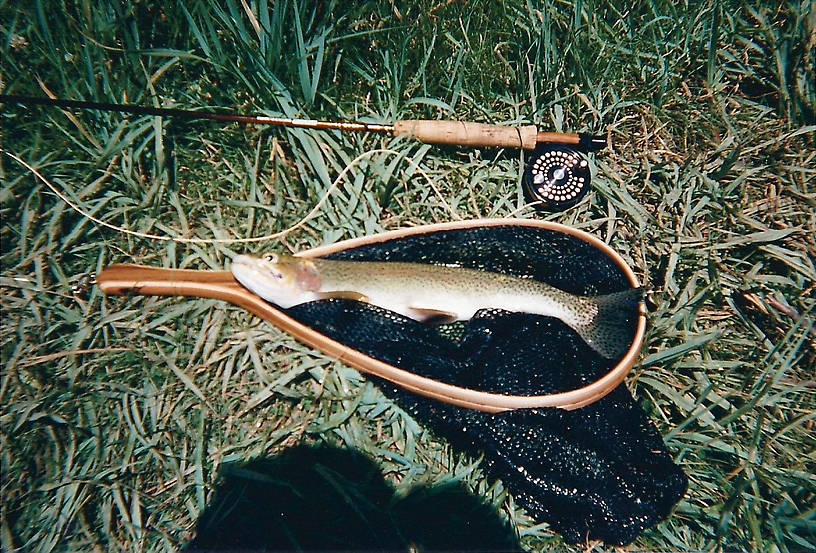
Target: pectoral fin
x=343, y=294
x=432, y=316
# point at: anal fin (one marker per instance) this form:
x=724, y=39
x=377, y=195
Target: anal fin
x=432, y=316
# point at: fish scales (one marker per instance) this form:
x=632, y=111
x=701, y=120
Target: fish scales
x=456, y=290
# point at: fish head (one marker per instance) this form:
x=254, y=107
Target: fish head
x=284, y=280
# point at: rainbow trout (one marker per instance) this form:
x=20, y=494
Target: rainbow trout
x=438, y=293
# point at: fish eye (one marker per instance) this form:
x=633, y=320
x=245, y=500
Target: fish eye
x=271, y=257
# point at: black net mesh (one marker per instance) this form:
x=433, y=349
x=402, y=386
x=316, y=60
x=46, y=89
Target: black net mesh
x=600, y=472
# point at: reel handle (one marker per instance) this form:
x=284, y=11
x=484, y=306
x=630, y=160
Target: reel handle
x=464, y=133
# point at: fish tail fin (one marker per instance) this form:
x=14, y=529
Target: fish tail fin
x=610, y=332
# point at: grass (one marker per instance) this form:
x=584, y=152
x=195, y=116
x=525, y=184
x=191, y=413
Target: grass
x=119, y=413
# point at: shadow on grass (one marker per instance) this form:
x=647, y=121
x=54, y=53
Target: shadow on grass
x=326, y=498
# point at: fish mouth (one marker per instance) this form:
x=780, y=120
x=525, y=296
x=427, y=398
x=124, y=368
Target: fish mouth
x=245, y=271
x=261, y=268
x=242, y=260
x=259, y=277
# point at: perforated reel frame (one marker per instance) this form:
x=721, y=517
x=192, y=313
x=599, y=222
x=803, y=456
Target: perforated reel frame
x=557, y=177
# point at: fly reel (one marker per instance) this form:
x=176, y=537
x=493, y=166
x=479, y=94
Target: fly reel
x=557, y=177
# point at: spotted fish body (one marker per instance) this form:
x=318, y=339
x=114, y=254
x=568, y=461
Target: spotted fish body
x=438, y=293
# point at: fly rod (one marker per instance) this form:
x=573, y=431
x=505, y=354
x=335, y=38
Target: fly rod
x=458, y=133
x=557, y=176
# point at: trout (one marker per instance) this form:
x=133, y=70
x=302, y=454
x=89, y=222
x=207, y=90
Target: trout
x=439, y=293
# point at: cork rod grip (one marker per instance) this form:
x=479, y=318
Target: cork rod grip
x=462, y=133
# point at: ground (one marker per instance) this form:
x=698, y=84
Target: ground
x=120, y=414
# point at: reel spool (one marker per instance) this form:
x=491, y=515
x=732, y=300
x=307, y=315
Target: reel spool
x=557, y=177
